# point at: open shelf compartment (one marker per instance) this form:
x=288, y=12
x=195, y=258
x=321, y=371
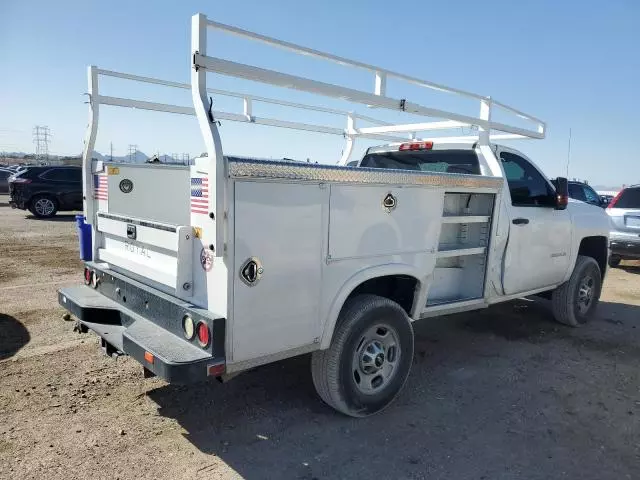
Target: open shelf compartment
x=462, y=248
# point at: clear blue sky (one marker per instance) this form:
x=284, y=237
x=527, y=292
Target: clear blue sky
x=572, y=63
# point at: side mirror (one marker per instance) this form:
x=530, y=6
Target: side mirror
x=562, y=193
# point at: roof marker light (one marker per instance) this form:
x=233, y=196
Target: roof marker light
x=416, y=146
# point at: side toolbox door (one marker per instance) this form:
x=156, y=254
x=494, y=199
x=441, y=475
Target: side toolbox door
x=539, y=245
x=277, y=267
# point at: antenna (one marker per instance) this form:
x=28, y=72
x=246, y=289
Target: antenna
x=41, y=137
x=569, y=153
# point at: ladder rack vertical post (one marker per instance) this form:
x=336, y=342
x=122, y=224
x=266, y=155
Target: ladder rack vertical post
x=484, y=130
x=348, y=148
x=87, y=155
x=248, y=107
x=381, y=84
x=214, y=228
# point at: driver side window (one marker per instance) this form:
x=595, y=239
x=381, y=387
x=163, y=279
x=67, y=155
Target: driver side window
x=527, y=187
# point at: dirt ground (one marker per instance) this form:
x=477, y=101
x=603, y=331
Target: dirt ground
x=501, y=394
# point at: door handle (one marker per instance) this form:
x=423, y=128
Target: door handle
x=520, y=221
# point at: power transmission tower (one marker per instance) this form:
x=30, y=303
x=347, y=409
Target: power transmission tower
x=186, y=159
x=174, y=158
x=41, y=137
x=132, y=153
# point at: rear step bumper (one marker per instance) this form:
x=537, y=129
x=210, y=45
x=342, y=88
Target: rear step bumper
x=122, y=330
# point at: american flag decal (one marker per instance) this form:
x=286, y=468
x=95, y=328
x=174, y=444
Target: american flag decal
x=101, y=187
x=200, y=195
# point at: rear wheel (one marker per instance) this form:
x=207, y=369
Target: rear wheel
x=575, y=301
x=43, y=206
x=614, y=261
x=369, y=359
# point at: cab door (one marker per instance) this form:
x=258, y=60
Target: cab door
x=539, y=243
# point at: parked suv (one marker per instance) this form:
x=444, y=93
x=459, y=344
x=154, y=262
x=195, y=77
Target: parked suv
x=624, y=211
x=44, y=191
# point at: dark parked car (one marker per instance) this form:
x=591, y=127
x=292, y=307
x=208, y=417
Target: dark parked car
x=5, y=173
x=583, y=192
x=44, y=191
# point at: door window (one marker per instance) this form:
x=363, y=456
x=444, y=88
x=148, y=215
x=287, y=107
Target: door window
x=591, y=196
x=527, y=186
x=576, y=191
x=63, y=175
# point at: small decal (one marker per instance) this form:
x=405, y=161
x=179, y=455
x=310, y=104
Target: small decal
x=197, y=232
x=126, y=185
x=101, y=187
x=206, y=259
x=113, y=171
x=200, y=195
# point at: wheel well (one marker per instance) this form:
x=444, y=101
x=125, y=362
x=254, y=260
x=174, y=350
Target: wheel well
x=399, y=288
x=596, y=248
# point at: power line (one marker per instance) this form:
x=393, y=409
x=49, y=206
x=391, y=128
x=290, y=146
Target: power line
x=41, y=138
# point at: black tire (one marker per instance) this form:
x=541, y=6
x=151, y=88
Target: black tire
x=332, y=370
x=568, y=300
x=43, y=206
x=614, y=261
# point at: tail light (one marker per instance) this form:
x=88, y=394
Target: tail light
x=615, y=199
x=416, y=146
x=188, y=327
x=20, y=180
x=94, y=279
x=203, y=334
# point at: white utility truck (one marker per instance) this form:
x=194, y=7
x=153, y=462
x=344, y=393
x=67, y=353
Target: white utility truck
x=214, y=268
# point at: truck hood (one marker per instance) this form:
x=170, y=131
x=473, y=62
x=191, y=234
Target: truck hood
x=588, y=220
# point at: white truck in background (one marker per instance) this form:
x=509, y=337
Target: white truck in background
x=207, y=270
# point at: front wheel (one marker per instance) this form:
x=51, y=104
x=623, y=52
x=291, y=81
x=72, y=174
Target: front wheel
x=369, y=359
x=43, y=206
x=575, y=301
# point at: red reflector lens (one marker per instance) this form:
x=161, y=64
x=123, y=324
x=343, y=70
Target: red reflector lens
x=203, y=334
x=215, y=370
x=416, y=146
x=148, y=356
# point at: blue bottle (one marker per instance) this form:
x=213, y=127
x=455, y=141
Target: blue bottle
x=84, y=238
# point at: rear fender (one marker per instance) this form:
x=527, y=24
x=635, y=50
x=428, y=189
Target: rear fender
x=362, y=276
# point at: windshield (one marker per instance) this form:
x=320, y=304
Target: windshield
x=443, y=161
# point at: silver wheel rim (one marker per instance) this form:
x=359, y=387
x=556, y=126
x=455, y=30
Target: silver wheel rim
x=44, y=207
x=585, y=293
x=376, y=359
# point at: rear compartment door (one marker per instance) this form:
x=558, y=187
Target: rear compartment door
x=143, y=224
